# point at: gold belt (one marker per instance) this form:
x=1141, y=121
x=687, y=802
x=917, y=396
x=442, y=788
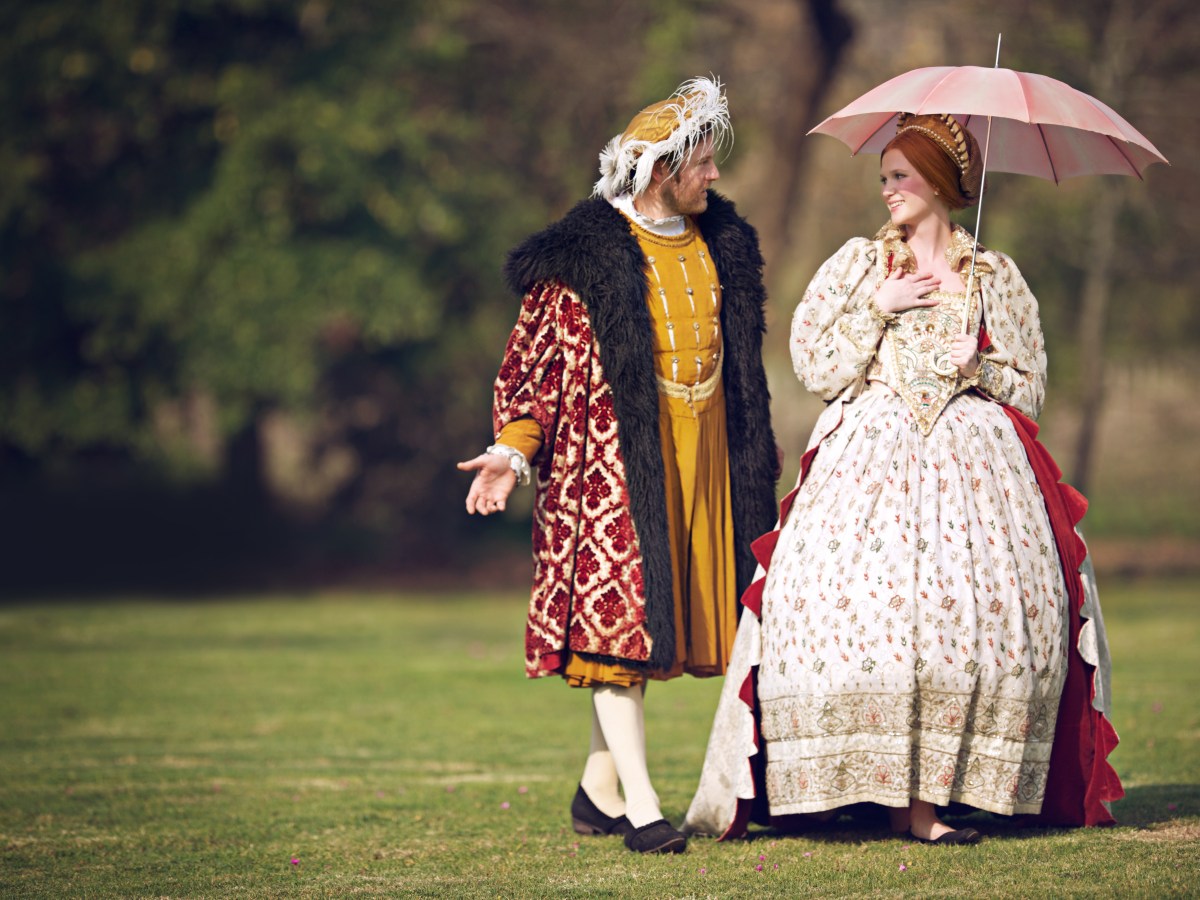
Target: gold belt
x=690, y=392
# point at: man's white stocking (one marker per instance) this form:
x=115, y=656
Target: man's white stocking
x=600, y=780
x=619, y=711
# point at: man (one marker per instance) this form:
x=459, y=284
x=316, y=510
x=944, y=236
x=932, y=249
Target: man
x=633, y=381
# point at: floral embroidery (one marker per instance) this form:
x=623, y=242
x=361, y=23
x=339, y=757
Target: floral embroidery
x=920, y=652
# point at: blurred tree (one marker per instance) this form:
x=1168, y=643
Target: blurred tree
x=1111, y=231
x=217, y=213
x=255, y=245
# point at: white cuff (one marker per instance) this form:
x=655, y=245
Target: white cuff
x=516, y=461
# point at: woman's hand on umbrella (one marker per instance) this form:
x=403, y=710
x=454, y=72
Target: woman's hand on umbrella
x=901, y=291
x=964, y=354
x=494, y=481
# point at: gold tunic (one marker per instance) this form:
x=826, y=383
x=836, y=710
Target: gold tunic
x=685, y=310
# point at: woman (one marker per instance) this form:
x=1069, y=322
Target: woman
x=922, y=604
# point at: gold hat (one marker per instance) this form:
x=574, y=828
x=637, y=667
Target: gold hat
x=957, y=142
x=668, y=129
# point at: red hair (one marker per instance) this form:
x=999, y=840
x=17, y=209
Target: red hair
x=933, y=164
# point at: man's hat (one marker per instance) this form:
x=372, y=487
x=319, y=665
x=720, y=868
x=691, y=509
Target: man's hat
x=667, y=130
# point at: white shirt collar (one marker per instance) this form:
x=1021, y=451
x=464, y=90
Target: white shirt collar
x=671, y=226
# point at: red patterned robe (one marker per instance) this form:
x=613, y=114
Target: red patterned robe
x=580, y=363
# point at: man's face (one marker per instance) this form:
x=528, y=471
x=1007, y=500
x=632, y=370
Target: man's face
x=686, y=192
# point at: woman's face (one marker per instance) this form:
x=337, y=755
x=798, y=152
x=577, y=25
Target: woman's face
x=908, y=196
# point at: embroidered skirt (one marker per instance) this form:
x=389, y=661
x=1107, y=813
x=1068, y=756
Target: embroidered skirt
x=913, y=620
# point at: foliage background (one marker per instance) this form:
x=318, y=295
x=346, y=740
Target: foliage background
x=250, y=304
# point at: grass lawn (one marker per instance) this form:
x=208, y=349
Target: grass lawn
x=382, y=745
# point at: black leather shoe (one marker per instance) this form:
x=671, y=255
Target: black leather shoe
x=961, y=836
x=588, y=819
x=657, y=837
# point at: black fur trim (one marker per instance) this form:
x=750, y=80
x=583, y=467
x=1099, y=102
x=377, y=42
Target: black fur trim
x=733, y=243
x=593, y=251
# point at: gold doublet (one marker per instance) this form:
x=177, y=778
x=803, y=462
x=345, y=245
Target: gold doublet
x=914, y=356
x=684, y=302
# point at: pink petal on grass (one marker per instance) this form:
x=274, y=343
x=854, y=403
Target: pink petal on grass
x=522, y=790
x=808, y=854
x=295, y=862
x=504, y=805
x=758, y=868
x=762, y=857
x=703, y=871
x=903, y=867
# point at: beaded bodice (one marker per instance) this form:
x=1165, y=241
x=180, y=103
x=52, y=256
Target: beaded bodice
x=914, y=355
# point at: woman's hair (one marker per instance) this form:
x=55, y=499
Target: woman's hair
x=934, y=164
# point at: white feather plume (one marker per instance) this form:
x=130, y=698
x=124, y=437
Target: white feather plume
x=626, y=166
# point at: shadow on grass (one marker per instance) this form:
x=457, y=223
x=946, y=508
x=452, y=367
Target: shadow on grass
x=1143, y=807
x=1154, y=804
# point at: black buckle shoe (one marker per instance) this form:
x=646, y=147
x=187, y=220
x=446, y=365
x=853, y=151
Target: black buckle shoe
x=588, y=819
x=657, y=837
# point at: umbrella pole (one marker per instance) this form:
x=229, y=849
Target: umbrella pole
x=966, y=323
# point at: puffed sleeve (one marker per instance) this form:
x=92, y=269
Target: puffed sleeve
x=1013, y=368
x=835, y=331
x=529, y=384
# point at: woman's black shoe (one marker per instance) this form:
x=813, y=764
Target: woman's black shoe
x=961, y=836
x=657, y=837
x=587, y=819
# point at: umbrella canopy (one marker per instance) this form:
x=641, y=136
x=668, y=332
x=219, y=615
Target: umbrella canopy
x=1040, y=126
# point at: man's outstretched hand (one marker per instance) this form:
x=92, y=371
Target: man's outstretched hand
x=494, y=481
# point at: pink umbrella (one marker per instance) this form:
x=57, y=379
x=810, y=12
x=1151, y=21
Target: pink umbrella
x=1040, y=126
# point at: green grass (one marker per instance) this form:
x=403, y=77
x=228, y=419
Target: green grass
x=391, y=746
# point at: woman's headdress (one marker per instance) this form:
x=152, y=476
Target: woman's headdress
x=957, y=142
x=668, y=130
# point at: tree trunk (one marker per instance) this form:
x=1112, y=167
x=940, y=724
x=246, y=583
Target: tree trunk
x=1110, y=71
x=245, y=471
x=806, y=75
x=1097, y=288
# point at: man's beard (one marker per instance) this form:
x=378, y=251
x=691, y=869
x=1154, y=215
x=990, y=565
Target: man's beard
x=682, y=207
